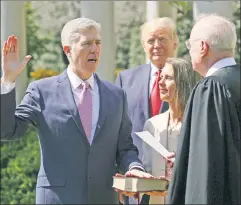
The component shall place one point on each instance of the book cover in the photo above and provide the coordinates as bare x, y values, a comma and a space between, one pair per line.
133, 184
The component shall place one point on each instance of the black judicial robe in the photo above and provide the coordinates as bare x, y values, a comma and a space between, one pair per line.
207, 163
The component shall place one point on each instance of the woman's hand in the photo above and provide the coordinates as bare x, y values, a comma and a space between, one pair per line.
170, 163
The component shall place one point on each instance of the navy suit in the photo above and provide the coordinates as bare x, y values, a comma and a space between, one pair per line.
72, 171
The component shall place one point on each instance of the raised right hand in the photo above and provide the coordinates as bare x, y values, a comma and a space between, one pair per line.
11, 67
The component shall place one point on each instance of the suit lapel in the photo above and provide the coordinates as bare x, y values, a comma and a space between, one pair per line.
103, 93
145, 82
66, 92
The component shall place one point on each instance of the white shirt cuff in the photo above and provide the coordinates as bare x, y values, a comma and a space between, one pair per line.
137, 167
6, 87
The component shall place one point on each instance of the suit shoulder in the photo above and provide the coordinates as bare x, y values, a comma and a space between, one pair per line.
214, 81
112, 86
227, 84
45, 81
44, 85
157, 120
131, 71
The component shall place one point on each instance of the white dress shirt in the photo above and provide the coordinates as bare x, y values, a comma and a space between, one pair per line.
75, 82
6, 87
220, 64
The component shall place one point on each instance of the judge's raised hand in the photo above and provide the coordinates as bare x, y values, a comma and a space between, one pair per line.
11, 67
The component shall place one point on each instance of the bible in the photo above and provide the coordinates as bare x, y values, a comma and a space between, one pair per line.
133, 184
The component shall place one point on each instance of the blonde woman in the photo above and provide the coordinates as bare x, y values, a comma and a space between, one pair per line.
176, 83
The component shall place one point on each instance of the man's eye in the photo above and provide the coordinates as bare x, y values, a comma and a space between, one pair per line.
98, 42
150, 41
162, 39
86, 43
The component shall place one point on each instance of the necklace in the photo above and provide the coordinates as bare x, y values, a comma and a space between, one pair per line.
172, 127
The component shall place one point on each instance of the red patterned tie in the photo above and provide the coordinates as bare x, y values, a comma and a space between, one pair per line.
155, 101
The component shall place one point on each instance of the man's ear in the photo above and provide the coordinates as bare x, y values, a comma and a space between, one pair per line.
66, 50
204, 49
175, 45
143, 45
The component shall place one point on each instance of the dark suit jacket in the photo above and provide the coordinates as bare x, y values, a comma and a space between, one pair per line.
72, 171
136, 84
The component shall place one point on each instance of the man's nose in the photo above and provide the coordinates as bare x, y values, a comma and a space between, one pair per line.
157, 43
93, 47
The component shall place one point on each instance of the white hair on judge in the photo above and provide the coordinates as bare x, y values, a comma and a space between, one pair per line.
217, 31
71, 31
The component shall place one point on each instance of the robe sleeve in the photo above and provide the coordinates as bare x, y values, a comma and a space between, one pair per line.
207, 164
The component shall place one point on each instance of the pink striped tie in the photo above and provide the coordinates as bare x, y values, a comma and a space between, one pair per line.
85, 109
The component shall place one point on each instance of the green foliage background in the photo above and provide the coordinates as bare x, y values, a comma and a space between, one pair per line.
19, 168
20, 159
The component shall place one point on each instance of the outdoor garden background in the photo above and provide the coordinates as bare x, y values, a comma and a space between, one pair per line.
44, 20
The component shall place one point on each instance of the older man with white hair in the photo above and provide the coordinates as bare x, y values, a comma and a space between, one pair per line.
207, 165
82, 122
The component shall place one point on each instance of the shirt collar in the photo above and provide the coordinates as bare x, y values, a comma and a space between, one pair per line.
220, 64
76, 80
154, 69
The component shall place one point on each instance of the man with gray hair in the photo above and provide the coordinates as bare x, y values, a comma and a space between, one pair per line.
207, 164
82, 121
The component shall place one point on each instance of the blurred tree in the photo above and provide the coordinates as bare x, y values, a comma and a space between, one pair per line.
184, 25
20, 161
136, 52
52, 15
129, 52
236, 20
128, 18
36, 44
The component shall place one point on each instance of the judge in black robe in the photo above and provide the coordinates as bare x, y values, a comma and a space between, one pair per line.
207, 162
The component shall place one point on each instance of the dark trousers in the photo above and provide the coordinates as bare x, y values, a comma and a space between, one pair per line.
144, 200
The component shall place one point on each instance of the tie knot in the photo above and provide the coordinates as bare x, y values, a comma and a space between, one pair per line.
158, 72
85, 85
